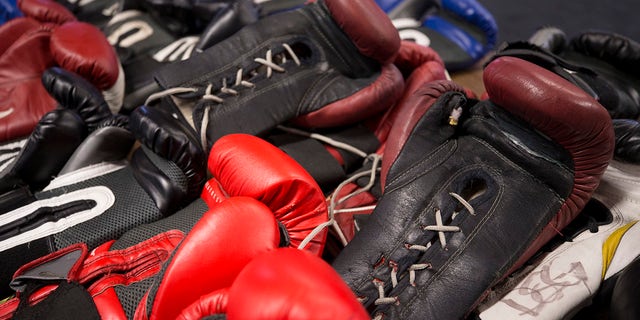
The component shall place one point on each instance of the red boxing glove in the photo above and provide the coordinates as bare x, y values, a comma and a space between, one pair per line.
145, 274
282, 284
244, 165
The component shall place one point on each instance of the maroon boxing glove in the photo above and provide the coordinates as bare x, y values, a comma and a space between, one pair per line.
49, 36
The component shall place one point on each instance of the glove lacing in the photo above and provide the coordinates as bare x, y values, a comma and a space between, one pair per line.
440, 228
333, 198
240, 81
454, 117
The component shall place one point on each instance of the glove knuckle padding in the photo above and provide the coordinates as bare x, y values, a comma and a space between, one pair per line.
46, 11
218, 267
171, 140
462, 31
412, 55
228, 20
83, 48
24, 101
274, 179
589, 254
367, 26
75, 93
376, 97
618, 50
287, 283
13, 29
591, 139
627, 133
212, 303
602, 64
58, 132
525, 161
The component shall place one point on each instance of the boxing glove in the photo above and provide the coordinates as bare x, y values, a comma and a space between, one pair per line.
419, 65
45, 11
280, 206
31, 47
452, 220
268, 60
97, 13
182, 18
601, 63
227, 21
284, 283
269, 7
93, 204
144, 43
462, 32
59, 132
346, 160
8, 11
95, 60
623, 305
151, 278
595, 247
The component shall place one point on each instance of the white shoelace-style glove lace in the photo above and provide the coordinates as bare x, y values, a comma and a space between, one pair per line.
211, 92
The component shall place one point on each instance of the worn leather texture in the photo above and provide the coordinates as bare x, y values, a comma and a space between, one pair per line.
523, 161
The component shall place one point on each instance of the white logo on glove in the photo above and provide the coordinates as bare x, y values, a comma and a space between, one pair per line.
6, 113
406, 29
136, 30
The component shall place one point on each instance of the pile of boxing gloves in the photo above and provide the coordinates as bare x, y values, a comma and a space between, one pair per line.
312, 159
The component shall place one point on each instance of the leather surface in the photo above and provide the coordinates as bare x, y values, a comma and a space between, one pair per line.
228, 21
245, 165
600, 63
234, 248
75, 93
60, 131
46, 11
23, 99
286, 284
519, 148
616, 49
331, 69
461, 31
371, 31
623, 298
83, 48
50, 145
627, 133
170, 139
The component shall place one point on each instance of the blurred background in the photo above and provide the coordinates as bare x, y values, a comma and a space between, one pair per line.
519, 19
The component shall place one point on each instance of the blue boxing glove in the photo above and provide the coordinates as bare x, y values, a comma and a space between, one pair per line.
8, 10
461, 31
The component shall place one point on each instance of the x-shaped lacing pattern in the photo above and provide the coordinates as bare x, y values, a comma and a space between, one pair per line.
333, 200
440, 228
239, 82
375, 168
